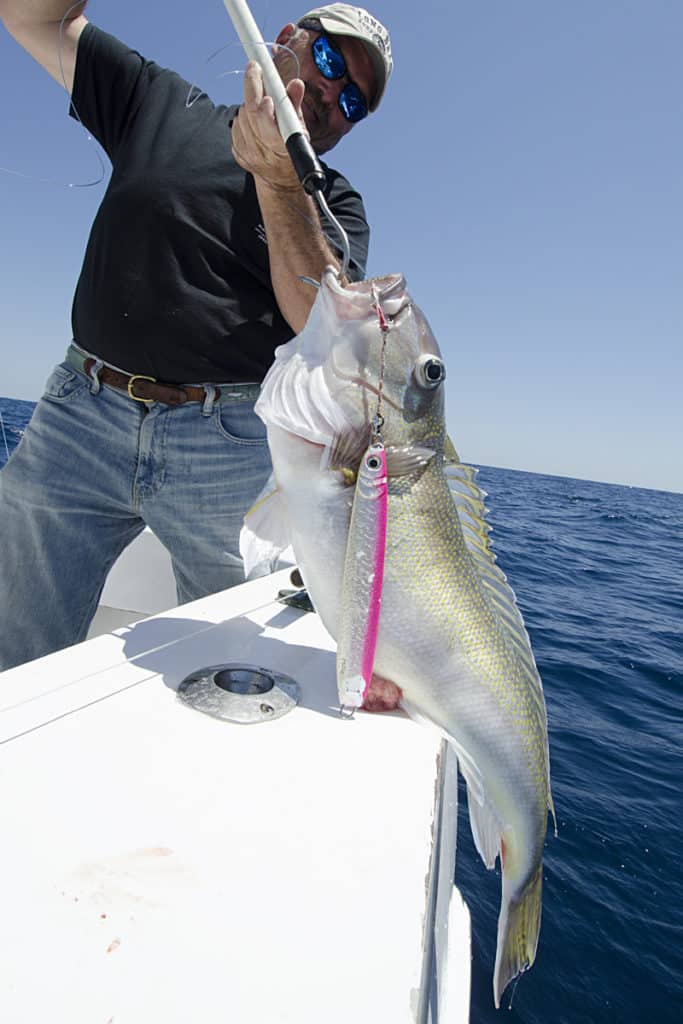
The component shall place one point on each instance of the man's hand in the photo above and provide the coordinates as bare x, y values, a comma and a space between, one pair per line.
297, 247
257, 145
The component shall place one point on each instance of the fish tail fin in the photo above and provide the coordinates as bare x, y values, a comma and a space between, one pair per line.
518, 927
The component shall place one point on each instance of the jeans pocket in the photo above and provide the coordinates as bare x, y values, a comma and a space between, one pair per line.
237, 422
64, 383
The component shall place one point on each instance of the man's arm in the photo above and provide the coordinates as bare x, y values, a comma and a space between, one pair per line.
296, 248
296, 244
35, 24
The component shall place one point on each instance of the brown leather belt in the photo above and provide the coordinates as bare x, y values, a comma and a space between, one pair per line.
142, 388
147, 389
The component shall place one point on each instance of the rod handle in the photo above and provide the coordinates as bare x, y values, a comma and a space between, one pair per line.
306, 164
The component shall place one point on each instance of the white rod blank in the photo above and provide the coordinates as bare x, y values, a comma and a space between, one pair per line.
256, 49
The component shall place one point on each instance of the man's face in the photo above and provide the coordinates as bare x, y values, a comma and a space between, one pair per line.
324, 120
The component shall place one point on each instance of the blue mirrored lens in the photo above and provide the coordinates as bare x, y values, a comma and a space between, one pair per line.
329, 61
331, 64
352, 103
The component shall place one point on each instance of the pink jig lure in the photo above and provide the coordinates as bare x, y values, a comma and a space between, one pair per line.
363, 578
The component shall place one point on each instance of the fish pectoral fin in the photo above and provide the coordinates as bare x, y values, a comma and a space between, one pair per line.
407, 460
346, 451
518, 926
265, 533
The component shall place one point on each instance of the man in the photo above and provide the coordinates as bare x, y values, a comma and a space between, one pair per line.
192, 276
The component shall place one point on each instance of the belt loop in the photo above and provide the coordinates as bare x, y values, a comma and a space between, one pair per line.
210, 392
93, 372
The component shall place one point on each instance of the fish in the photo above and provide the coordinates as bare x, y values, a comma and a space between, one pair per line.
450, 635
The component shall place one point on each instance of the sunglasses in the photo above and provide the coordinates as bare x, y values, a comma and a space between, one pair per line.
331, 65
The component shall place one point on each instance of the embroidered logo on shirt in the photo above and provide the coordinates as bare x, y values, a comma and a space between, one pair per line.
261, 233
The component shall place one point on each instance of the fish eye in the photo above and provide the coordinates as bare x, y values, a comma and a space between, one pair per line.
430, 371
373, 462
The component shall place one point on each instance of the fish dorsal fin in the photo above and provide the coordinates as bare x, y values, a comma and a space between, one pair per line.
468, 498
449, 453
265, 533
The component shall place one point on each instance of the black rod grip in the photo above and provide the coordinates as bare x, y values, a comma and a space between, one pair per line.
306, 164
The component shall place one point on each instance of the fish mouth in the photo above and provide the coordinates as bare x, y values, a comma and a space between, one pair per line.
388, 288
389, 292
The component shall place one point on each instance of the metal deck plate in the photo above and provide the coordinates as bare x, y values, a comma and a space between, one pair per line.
245, 694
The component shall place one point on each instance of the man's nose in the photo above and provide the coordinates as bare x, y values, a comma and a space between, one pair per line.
330, 89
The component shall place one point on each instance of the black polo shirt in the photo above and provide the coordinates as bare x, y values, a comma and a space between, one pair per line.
175, 281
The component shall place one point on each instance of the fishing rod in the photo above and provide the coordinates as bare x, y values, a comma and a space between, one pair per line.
306, 164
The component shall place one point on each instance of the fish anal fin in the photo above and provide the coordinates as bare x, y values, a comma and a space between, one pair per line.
486, 830
518, 927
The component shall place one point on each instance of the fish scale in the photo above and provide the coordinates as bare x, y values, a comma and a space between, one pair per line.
450, 591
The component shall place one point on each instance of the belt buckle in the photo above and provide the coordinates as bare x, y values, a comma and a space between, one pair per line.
131, 381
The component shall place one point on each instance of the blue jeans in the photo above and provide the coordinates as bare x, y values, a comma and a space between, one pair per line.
92, 469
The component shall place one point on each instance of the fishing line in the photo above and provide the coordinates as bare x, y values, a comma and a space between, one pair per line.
240, 71
384, 326
56, 181
191, 100
515, 983
4, 436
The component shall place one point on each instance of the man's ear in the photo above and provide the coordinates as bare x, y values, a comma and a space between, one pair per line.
285, 34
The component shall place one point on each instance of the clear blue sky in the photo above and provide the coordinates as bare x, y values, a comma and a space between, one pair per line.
523, 172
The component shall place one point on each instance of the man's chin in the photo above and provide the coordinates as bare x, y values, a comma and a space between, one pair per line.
322, 142
321, 147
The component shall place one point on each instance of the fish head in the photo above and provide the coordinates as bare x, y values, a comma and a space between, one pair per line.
382, 352
366, 347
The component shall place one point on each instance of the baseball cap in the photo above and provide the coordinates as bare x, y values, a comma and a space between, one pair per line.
347, 20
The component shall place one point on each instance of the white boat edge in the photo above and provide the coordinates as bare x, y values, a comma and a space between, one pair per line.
140, 586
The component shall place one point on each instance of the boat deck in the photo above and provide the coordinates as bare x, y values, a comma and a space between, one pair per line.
163, 865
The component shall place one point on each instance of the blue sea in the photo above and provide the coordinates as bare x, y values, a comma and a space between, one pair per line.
598, 573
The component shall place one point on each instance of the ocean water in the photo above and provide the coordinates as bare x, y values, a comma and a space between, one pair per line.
598, 573
14, 415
